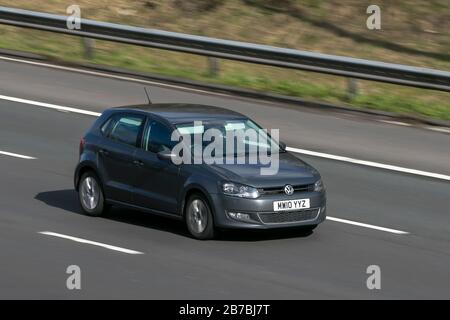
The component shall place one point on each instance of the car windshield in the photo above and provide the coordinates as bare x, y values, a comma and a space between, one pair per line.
247, 136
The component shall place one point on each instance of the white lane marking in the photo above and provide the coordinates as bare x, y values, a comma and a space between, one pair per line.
49, 105
99, 244
112, 76
15, 155
399, 123
162, 84
365, 225
370, 164
439, 129
296, 150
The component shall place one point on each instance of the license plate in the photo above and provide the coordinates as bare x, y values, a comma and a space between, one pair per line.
289, 205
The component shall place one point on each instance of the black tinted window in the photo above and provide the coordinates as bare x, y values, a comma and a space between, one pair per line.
124, 128
157, 137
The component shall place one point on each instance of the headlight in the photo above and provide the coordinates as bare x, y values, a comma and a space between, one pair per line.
240, 190
318, 186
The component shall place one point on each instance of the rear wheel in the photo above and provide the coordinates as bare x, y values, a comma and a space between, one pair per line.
90, 195
199, 218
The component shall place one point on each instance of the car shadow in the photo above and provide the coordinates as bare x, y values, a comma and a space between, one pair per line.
67, 200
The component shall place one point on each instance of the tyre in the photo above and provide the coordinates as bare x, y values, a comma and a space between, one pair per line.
199, 218
90, 195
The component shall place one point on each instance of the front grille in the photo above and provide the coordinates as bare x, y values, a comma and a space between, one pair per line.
297, 188
286, 217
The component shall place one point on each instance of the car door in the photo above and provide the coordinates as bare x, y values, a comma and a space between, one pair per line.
157, 184
116, 155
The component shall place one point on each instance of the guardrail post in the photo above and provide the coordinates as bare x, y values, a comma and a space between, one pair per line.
352, 87
213, 66
88, 47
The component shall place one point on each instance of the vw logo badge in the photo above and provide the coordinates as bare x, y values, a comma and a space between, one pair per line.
289, 190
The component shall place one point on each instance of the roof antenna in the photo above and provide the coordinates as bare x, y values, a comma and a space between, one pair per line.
148, 96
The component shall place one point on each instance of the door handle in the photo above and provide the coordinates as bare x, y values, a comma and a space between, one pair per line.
138, 163
103, 152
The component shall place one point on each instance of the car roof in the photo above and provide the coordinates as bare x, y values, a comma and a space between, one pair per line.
176, 113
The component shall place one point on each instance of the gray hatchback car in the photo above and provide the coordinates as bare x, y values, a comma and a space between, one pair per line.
127, 159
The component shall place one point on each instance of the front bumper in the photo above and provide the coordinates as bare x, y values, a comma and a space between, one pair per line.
261, 211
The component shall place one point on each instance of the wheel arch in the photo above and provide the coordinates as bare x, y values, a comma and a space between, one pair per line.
82, 169
196, 189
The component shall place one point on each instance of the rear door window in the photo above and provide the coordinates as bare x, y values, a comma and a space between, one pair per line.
123, 128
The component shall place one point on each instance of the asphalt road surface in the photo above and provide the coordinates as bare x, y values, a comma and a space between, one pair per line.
36, 195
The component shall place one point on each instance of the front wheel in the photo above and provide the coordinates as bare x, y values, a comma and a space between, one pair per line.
90, 195
199, 218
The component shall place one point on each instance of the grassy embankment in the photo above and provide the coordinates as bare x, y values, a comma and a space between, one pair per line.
413, 32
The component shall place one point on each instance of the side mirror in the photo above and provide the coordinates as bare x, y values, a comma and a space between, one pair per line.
282, 145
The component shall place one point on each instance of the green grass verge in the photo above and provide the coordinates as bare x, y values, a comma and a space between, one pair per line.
322, 88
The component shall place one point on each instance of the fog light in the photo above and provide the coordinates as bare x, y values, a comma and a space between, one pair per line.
239, 216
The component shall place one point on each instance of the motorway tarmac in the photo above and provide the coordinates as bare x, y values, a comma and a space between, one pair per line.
37, 195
